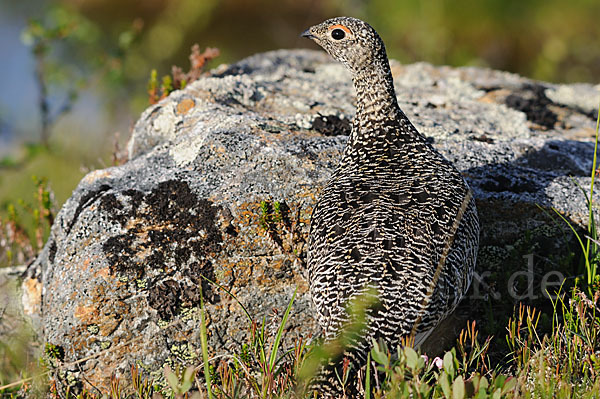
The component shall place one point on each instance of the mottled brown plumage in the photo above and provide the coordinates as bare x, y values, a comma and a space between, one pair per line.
395, 216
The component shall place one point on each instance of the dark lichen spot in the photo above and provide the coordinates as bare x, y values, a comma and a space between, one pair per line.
52, 251
170, 200
532, 100
136, 197
332, 125
109, 202
85, 201
231, 230
499, 183
165, 297
483, 138
170, 229
487, 89
270, 128
112, 207
227, 219
283, 210
199, 272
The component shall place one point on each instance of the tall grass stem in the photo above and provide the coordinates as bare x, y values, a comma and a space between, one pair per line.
591, 275
204, 344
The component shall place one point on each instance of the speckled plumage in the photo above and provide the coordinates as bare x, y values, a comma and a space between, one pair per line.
395, 215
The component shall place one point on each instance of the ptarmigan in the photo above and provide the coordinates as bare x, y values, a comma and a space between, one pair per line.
395, 216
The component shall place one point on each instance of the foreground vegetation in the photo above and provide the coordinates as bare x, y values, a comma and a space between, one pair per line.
564, 363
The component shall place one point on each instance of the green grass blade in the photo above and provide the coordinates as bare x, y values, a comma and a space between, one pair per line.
204, 344
261, 338
591, 224
368, 377
583, 246
277, 341
556, 223
591, 215
261, 341
231, 295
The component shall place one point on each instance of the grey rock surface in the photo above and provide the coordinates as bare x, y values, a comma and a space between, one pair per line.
221, 182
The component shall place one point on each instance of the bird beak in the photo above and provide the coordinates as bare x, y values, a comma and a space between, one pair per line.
307, 34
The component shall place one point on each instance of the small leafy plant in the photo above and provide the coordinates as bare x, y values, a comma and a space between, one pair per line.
178, 79
27, 225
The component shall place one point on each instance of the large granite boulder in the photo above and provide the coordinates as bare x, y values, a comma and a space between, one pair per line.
221, 181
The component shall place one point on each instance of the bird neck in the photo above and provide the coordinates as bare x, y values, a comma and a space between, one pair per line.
379, 122
376, 98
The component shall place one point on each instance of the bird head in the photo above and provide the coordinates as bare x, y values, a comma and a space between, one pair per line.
349, 40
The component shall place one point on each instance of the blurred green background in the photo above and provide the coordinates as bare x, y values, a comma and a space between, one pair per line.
74, 75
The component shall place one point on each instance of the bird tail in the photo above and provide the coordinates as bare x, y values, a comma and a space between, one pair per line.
339, 361
341, 376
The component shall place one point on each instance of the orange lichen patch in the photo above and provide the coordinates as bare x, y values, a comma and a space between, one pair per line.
241, 271
73, 296
144, 228
108, 325
104, 273
494, 96
248, 213
85, 312
101, 368
86, 265
32, 296
105, 315
301, 284
185, 105
342, 27
268, 248
218, 149
100, 374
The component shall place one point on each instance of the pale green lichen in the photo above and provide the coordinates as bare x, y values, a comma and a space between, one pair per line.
162, 323
71, 379
188, 313
93, 329
183, 352
142, 284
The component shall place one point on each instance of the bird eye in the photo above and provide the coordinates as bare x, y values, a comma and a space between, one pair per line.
338, 34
